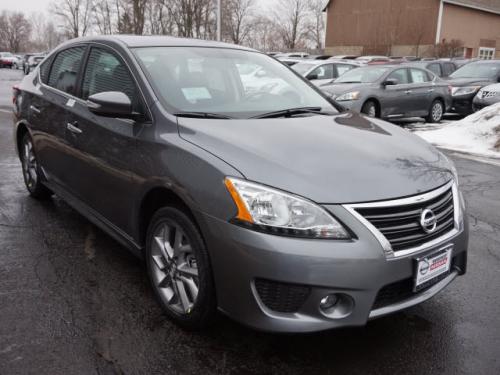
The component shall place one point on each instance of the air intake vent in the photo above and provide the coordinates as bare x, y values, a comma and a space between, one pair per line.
281, 297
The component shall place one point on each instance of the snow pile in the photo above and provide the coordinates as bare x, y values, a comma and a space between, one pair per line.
478, 133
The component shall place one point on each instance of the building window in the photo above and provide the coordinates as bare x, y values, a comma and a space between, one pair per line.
486, 53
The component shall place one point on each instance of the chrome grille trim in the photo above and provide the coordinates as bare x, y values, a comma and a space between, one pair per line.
386, 245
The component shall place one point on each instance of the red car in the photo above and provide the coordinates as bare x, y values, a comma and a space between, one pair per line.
6, 59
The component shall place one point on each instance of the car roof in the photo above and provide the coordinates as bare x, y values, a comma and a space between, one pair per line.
133, 41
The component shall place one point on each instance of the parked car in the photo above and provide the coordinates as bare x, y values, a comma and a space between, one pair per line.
486, 96
440, 68
289, 61
18, 62
318, 57
292, 55
325, 71
373, 59
392, 92
6, 60
155, 140
32, 62
469, 79
344, 57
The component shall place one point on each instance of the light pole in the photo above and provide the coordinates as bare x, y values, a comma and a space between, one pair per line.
219, 21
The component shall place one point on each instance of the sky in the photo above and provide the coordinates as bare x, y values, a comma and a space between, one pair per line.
26, 6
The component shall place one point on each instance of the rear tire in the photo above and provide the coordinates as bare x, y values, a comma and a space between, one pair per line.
436, 112
179, 269
370, 109
31, 170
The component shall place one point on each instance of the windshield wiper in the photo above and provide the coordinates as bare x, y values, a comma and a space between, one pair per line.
202, 115
348, 82
292, 112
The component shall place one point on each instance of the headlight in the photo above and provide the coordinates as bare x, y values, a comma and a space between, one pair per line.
466, 90
354, 95
277, 212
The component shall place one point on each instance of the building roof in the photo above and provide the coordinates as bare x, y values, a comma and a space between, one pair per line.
491, 6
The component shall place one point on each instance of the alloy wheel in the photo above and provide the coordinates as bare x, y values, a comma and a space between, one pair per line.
29, 165
174, 268
437, 112
372, 111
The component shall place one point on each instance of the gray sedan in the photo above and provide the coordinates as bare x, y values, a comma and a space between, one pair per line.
324, 72
392, 92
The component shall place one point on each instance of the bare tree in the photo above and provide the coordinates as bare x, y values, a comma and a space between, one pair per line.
104, 16
236, 22
15, 31
193, 18
452, 48
76, 15
316, 24
290, 16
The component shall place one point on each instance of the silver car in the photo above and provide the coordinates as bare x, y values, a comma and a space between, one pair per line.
392, 92
324, 72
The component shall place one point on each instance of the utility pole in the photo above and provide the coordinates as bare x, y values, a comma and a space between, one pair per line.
219, 20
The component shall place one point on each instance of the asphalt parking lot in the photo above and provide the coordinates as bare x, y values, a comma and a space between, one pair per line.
73, 301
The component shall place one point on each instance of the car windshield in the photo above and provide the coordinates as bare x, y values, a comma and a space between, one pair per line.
477, 70
302, 68
229, 82
362, 75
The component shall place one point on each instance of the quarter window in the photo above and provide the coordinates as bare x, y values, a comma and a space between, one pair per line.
449, 68
64, 71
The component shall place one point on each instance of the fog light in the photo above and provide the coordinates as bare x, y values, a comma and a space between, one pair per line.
328, 302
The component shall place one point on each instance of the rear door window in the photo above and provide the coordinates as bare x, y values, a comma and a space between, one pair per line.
323, 72
342, 68
64, 71
419, 76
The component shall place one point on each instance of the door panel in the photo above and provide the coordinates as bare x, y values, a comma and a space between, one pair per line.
104, 148
396, 99
48, 114
422, 92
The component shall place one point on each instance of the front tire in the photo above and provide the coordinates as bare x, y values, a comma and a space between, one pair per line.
31, 170
369, 109
179, 268
436, 112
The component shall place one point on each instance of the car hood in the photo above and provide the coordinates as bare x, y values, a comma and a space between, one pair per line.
330, 159
341, 88
460, 82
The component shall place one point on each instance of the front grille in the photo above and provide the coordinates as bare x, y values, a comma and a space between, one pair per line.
281, 297
401, 224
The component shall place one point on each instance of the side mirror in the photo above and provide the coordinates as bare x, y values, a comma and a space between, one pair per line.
390, 82
312, 77
111, 104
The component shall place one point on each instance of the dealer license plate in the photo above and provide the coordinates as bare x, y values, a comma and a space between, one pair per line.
432, 266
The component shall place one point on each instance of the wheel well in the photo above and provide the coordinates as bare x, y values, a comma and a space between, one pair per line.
21, 131
377, 105
155, 199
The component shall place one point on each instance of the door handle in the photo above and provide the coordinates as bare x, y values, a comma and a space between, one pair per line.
430, 90
35, 109
74, 128
408, 92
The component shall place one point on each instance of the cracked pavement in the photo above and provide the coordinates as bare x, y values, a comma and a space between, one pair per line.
73, 301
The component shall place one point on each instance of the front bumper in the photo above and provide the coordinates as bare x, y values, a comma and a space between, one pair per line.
462, 104
479, 103
353, 105
358, 269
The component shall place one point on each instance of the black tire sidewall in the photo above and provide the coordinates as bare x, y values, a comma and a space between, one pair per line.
205, 305
366, 107
39, 190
